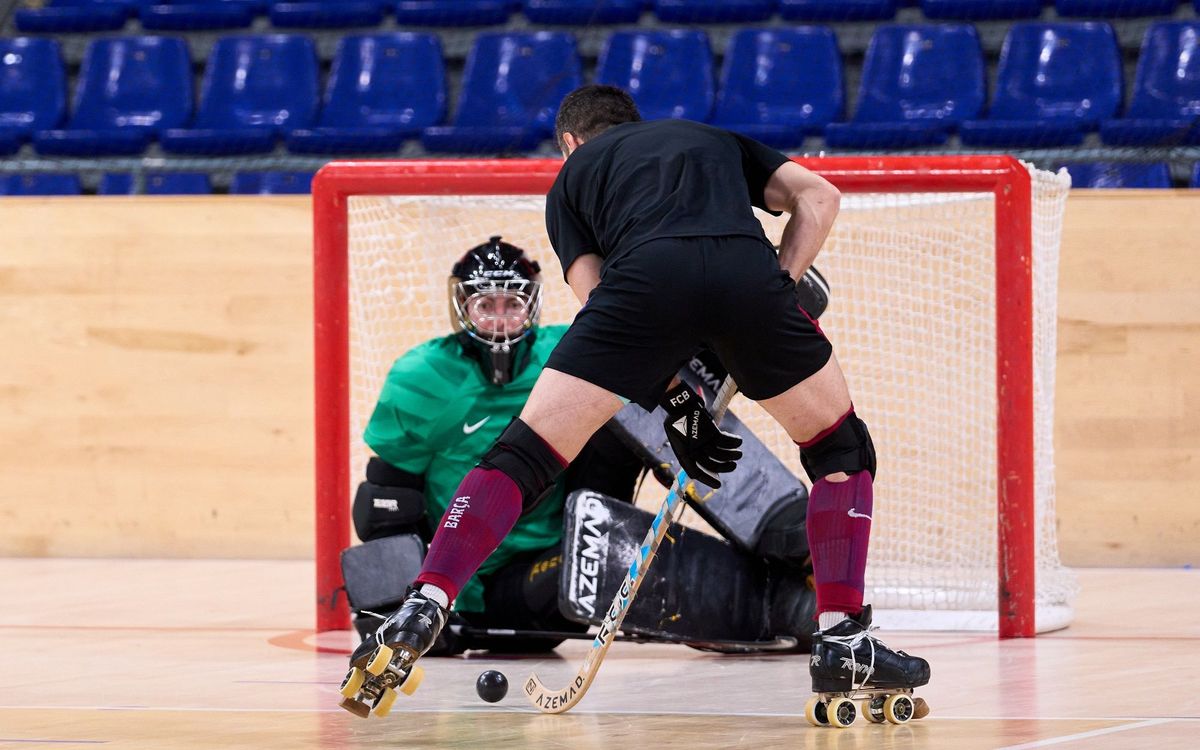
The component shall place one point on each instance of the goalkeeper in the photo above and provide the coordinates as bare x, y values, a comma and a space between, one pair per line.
442, 406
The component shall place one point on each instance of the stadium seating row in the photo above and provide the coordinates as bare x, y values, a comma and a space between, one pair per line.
1083, 175
171, 183
920, 84
189, 15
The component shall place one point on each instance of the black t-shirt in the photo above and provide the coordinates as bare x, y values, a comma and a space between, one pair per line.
642, 181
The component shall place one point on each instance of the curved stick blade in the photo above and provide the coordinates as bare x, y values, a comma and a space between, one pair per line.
555, 701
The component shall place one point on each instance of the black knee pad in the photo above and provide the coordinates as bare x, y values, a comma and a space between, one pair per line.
848, 449
527, 460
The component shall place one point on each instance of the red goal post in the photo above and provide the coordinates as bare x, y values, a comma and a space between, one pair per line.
1005, 179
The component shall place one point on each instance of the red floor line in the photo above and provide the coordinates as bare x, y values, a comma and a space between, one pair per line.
152, 628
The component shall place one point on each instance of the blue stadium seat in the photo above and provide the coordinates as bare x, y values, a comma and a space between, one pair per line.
33, 89
115, 183
452, 12
511, 88
1114, 175
714, 11
129, 90
780, 84
1165, 110
1114, 8
327, 14
918, 84
980, 10
255, 88
197, 15
272, 183
1196, 169
1055, 82
40, 184
668, 73
178, 183
382, 89
837, 10
167, 183
64, 16
582, 12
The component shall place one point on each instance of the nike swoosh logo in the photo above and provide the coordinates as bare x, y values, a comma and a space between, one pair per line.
469, 428
852, 514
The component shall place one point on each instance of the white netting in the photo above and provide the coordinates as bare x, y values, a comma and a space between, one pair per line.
913, 324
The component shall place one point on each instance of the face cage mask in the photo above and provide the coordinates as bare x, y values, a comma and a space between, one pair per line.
498, 346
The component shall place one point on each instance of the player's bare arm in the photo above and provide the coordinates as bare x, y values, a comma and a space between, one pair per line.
584, 275
812, 203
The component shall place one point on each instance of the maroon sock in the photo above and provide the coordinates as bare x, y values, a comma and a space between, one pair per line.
839, 529
482, 512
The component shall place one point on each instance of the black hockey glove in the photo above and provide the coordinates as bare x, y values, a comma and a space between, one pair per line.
702, 448
813, 291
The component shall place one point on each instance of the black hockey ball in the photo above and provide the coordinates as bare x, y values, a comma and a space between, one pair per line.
492, 686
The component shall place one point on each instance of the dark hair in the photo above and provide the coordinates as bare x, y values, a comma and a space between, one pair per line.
590, 110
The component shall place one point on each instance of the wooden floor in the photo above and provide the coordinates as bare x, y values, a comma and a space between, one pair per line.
218, 654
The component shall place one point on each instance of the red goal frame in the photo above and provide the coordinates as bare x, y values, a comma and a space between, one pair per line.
1005, 177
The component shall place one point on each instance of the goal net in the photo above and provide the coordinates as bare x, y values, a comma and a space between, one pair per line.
943, 316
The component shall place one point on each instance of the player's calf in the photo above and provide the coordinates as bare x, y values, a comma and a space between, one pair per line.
839, 514
510, 480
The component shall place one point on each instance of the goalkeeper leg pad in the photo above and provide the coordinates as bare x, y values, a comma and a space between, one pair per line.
844, 447
377, 575
784, 537
742, 510
528, 460
523, 595
699, 587
389, 502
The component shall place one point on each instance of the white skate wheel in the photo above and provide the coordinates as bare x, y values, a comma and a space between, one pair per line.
841, 712
353, 682
413, 681
379, 660
872, 709
815, 712
383, 706
898, 709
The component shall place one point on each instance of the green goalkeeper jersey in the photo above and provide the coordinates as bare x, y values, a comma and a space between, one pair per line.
438, 415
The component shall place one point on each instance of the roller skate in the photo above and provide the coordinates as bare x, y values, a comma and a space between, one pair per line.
849, 663
386, 659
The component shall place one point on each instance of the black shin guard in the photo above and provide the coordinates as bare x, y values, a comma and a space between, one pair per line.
527, 459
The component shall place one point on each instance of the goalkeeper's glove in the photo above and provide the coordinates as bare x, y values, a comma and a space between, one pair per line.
813, 291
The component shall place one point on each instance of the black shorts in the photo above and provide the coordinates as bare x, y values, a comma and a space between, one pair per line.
661, 302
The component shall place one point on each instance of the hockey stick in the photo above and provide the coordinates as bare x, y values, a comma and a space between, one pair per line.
780, 643
557, 701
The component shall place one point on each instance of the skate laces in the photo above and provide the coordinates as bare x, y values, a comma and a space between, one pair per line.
852, 642
382, 623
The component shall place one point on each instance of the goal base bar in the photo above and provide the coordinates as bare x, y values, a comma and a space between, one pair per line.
1048, 618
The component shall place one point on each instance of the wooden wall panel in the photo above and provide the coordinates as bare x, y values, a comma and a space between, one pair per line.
156, 378
1128, 421
156, 385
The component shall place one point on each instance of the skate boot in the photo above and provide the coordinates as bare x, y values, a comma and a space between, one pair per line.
849, 663
386, 659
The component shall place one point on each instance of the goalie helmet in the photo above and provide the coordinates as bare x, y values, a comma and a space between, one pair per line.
495, 301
